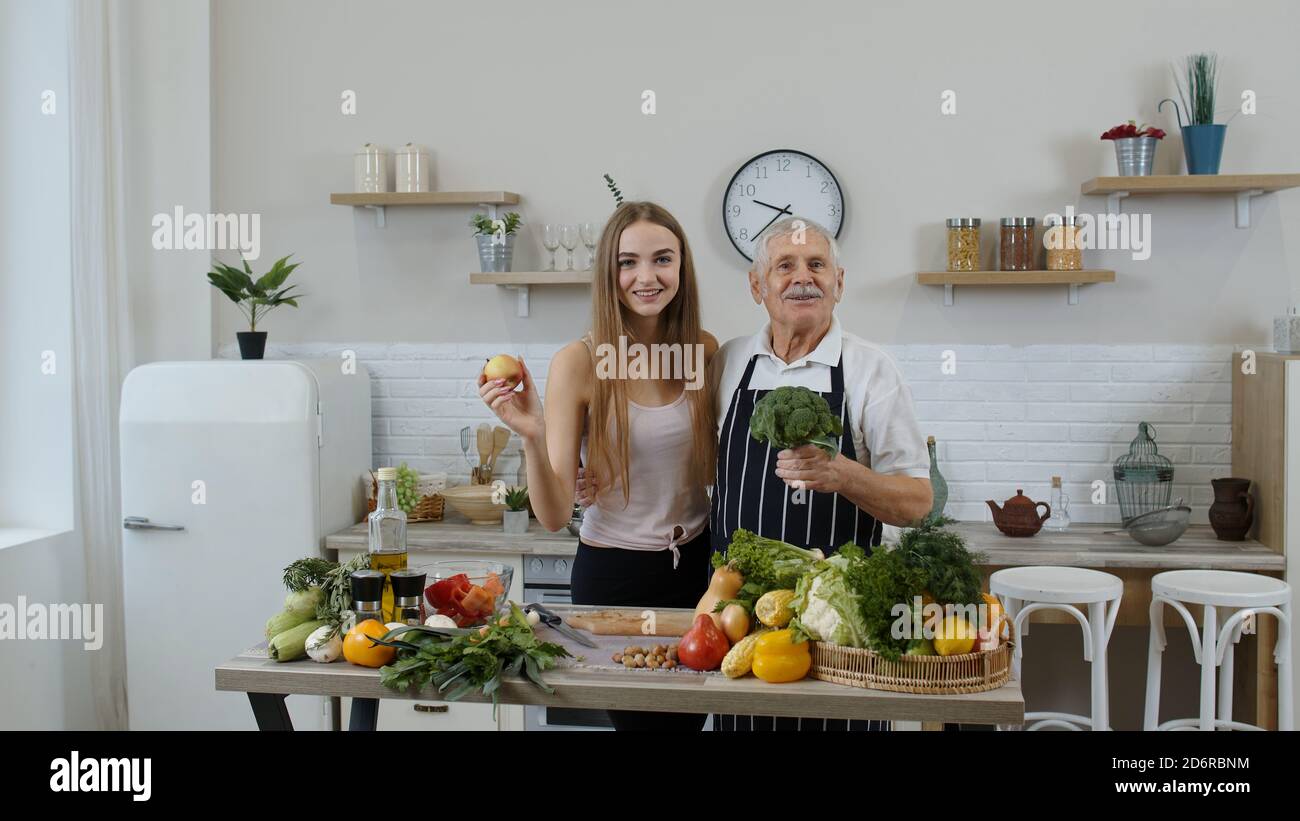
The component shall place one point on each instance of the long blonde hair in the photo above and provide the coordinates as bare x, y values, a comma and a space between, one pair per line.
681, 325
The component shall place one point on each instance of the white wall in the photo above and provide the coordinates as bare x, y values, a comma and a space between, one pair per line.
542, 98
167, 158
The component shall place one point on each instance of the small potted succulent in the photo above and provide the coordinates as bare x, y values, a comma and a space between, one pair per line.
496, 241
1202, 137
255, 298
515, 518
1135, 147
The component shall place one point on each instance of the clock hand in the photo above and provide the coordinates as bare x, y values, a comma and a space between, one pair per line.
785, 210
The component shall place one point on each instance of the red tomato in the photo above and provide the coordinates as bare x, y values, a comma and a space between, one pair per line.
447, 592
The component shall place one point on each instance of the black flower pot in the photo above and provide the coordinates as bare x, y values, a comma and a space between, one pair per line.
252, 344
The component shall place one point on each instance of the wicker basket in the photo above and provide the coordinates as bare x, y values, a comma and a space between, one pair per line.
431, 504
929, 675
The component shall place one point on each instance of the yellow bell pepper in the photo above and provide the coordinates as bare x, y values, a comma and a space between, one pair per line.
777, 659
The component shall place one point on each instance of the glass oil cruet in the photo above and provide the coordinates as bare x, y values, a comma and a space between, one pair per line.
1060, 503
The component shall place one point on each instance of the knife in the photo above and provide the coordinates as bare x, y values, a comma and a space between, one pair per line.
555, 622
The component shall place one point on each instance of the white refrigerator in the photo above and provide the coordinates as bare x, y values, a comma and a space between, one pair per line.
230, 471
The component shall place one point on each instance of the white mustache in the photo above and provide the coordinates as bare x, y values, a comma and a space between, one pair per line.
797, 291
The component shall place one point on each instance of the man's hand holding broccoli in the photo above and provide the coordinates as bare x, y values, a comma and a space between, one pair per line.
809, 467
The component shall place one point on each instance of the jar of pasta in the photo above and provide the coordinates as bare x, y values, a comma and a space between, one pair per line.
1064, 252
963, 244
1016, 251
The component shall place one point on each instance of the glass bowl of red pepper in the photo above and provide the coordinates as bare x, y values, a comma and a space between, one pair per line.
468, 592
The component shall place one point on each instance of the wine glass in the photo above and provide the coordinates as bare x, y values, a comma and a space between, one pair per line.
589, 238
551, 241
569, 239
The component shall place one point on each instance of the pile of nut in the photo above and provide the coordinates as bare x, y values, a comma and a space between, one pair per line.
656, 657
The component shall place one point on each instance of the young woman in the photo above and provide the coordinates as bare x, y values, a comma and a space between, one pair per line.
648, 444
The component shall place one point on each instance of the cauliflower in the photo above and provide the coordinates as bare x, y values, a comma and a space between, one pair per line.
828, 608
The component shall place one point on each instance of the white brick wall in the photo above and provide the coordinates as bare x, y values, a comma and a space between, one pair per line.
1008, 418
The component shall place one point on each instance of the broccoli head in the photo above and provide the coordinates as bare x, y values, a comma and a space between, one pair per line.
792, 416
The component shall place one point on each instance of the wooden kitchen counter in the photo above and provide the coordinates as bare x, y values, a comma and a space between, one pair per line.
267, 682
455, 533
1088, 545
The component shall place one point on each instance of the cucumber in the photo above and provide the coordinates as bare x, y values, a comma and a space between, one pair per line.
285, 620
304, 602
292, 643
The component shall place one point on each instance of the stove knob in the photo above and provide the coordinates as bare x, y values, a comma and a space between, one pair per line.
535, 565
561, 566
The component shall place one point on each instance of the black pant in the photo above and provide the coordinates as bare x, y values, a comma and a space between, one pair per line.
615, 577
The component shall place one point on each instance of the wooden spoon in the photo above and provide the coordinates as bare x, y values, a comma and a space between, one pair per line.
500, 438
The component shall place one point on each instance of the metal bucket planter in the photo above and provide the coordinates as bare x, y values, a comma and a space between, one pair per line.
495, 257
1203, 147
1134, 155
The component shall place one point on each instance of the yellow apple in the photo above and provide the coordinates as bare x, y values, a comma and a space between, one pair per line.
504, 366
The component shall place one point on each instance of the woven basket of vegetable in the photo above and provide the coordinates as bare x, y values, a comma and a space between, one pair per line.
924, 675
429, 503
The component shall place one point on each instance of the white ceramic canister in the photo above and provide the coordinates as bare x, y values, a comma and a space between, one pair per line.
370, 169
412, 168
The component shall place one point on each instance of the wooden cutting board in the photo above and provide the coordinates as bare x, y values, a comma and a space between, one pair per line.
629, 622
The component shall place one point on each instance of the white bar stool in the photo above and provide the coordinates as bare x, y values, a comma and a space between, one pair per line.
1023, 590
1245, 593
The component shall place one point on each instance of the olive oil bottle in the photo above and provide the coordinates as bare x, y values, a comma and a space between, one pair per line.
387, 534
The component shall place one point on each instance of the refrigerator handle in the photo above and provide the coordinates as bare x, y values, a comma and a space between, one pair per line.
142, 523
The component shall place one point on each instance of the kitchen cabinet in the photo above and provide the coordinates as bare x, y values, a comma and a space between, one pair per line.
1266, 450
428, 714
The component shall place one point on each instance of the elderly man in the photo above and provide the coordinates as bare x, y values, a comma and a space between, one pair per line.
880, 474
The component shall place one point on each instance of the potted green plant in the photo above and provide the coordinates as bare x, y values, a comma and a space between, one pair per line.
515, 518
496, 241
1202, 138
255, 298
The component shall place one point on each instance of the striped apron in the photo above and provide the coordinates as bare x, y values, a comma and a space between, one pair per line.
748, 494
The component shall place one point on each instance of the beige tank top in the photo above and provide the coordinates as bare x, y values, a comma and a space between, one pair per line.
667, 506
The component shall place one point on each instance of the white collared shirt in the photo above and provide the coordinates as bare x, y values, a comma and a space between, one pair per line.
886, 436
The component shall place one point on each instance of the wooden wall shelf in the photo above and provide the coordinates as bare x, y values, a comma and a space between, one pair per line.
1242, 186
950, 279
482, 199
521, 281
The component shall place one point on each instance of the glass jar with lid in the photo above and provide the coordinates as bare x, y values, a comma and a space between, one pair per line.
1064, 253
1016, 251
963, 244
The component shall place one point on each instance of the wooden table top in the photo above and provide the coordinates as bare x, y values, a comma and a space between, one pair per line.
1088, 545
455, 532
1083, 545
664, 691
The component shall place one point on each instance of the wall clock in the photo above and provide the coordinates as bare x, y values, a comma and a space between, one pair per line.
775, 185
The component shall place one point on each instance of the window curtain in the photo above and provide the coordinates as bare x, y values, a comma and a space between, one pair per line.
101, 329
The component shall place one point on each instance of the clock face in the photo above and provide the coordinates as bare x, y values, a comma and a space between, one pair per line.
776, 185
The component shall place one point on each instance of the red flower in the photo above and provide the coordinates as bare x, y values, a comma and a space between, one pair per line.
1131, 129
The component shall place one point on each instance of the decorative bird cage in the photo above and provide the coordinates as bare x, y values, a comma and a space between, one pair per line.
1143, 478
